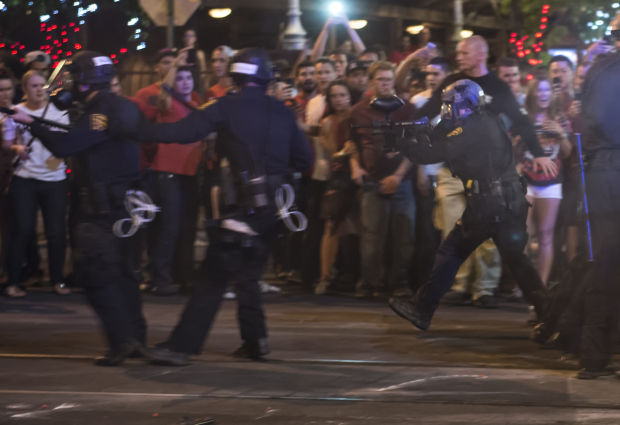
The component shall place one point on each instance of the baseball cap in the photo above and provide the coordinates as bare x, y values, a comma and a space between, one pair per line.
355, 65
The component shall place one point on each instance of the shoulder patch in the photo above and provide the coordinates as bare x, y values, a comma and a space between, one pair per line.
456, 132
207, 104
98, 122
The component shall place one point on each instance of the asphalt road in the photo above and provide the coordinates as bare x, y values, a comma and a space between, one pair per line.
334, 360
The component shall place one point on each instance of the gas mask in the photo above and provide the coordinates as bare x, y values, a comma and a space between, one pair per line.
61, 86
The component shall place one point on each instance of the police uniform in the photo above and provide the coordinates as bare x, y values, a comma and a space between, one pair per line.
263, 139
601, 144
479, 152
105, 165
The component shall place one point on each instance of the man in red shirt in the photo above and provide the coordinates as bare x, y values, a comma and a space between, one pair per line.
174, 167
306, 85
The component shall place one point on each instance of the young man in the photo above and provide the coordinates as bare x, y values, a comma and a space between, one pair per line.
508, 72
174, 167
387, 196
220, 59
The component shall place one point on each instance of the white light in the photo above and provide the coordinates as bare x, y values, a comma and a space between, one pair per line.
336, 8
136, 36
81, 12
44, 18
590, 24
93, 7
358, 24
594, 27
141, 46
132, 22
599, 13
415, 29
219, 13
116, 1
76, 3
30, 3
615, 5
138, 30
599, 23
82, 21
3, 6
55, 12
466, 33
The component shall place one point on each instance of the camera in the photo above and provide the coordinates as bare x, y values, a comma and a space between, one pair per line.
191, 57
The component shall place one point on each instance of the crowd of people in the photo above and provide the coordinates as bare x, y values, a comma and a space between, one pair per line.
375, 215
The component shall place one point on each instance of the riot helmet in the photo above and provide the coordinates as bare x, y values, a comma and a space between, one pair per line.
461, 99
251, 65
74, 80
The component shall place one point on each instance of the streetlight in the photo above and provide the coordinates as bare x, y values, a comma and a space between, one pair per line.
358, 24
336, 8
220, 13
415, 29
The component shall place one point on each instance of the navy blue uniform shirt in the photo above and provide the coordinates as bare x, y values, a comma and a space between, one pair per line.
261, 133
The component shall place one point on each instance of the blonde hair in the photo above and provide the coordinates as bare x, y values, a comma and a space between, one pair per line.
29, 74
379, 66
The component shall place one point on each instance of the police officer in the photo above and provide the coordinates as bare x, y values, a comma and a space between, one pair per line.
478, 151
263, 144
106, 166
601, 144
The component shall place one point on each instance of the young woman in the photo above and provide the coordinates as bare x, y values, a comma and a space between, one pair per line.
339, 197
39, 181
544, 192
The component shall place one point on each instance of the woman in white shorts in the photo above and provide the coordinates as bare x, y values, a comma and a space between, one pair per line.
544, 192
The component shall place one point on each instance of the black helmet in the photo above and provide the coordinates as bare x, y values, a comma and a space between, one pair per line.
90, 67
252, 65
460, 99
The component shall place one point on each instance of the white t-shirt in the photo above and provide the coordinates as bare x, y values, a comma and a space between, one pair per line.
41, 164
314, 112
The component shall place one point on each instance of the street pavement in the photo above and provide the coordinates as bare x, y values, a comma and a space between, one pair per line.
334, 360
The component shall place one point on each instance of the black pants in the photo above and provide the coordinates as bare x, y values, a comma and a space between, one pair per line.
226, 261
26, 196
602, 294
174, 229
475, 227
105, 267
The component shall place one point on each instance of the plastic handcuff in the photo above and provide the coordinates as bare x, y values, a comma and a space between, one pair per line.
295, 221
141, 209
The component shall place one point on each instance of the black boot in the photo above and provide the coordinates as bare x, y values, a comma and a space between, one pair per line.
162, 354
115, 357
410, 311
254, 350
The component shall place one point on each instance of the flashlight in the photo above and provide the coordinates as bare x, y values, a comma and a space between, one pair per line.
336, 8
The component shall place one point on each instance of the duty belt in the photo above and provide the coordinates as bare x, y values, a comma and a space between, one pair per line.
489, 186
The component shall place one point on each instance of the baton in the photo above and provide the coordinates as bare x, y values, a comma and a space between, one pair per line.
67, 127
585, 197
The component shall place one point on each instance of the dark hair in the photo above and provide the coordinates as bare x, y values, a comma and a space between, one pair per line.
189, 68
303, 64
6, 74
162, 53
507, 62
337, 52
441, 62
329, 110
561, 58
325, 60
